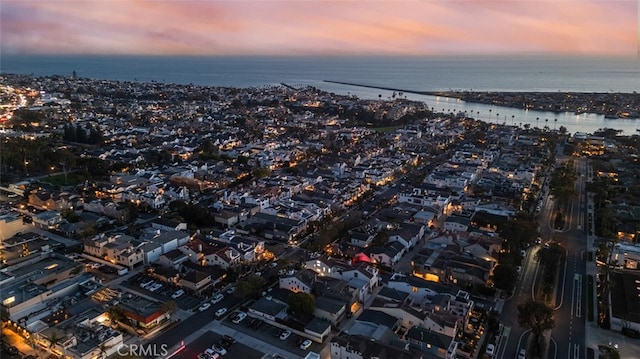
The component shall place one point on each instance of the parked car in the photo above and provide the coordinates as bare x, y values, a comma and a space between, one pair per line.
218, 349
305, 344
240, 317
231, 290
522, 354
217, 298
204, 307
220, 312
223, 343
491, 349
523, 253
229, 338
212, 353
177, 294
285, 334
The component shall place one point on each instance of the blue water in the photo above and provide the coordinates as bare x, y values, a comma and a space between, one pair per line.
410, 73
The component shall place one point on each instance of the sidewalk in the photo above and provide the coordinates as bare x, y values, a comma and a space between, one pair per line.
594, 335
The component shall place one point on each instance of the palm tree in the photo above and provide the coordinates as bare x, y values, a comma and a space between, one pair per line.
54, 340
538, 317
103, 350
537, 118
513, 119
555, 120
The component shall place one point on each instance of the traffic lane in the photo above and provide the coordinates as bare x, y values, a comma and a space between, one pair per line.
206, 340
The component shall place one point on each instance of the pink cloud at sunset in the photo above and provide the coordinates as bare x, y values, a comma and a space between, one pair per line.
306, 27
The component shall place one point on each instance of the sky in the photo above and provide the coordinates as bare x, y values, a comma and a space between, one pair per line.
320, 27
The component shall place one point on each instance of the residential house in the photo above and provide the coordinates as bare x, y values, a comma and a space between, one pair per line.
388, 255
408, 235
196, 281
214, 254
267, 309
437, 344
299, 281
173, 259
457, 224
329, 309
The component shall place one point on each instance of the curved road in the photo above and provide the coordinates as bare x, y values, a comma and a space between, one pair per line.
568, 337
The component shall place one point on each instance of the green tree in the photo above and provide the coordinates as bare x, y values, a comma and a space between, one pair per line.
302, 304
250, 287
115, 313
260, 172
505, 277
169, 306
536, 316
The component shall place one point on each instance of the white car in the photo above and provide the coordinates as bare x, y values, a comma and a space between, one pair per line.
218, 349
212, 354
177, 294
491, 349
231, 290
217, 298
204, 307
155, 287
240, 317
220, 312
522, 354
284, 335
305, 344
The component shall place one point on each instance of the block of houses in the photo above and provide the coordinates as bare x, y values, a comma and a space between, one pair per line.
81, 337
119, 248
344, 346
211, 254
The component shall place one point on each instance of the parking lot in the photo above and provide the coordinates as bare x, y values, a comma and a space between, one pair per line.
270, 334
206, 340
164, 292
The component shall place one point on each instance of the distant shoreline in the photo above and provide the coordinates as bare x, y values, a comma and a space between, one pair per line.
613, 105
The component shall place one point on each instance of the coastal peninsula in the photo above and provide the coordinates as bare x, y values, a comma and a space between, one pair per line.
612, 105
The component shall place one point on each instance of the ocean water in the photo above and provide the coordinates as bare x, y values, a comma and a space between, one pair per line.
593, 74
